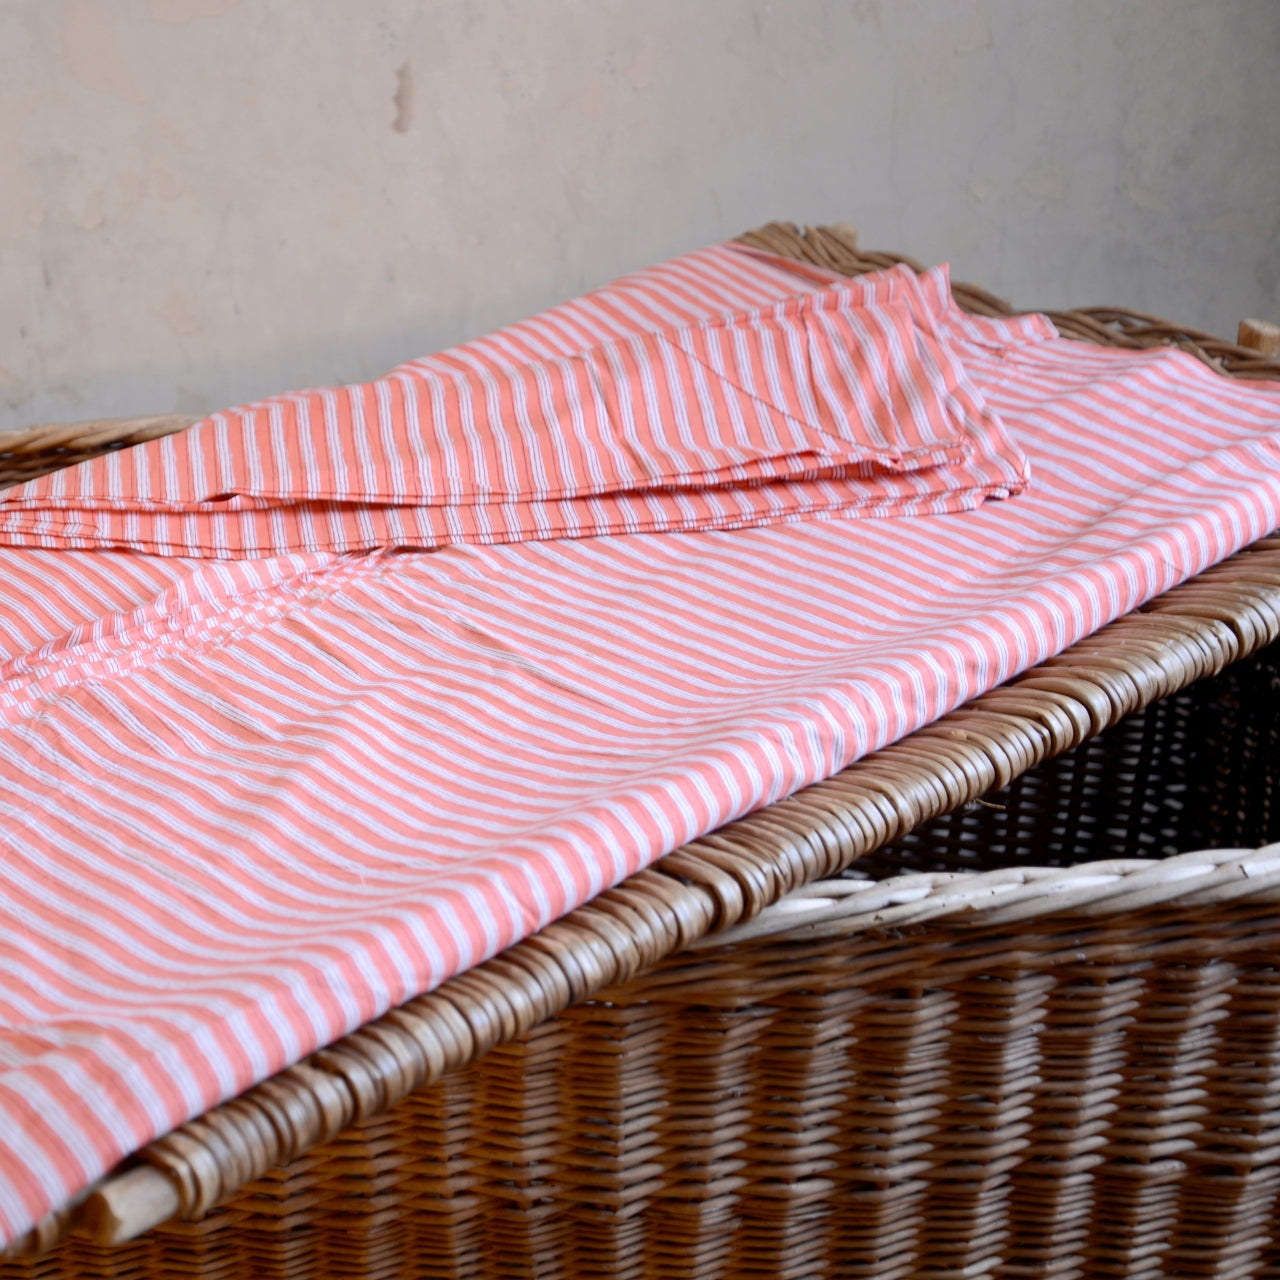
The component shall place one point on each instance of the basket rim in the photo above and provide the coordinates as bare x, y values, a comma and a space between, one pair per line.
1013, 895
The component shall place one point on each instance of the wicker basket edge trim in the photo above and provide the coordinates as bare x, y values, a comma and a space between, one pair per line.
1205, 878
712, 884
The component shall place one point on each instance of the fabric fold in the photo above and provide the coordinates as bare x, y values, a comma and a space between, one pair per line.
245, 808
837, 399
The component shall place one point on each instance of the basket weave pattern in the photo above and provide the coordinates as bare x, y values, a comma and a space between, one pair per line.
944, 1097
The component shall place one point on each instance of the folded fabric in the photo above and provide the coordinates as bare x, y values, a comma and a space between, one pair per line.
245, 807
843, 398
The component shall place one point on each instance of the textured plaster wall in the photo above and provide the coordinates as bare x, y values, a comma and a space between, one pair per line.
204, 201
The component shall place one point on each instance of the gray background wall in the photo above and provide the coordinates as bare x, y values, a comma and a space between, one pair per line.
204, 201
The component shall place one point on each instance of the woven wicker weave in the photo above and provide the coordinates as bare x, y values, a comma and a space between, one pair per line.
38, 450
952, 1091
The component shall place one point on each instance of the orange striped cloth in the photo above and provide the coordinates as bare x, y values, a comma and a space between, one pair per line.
840, 400
258, 789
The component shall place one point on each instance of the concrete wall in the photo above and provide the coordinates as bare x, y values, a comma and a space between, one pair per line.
204, 201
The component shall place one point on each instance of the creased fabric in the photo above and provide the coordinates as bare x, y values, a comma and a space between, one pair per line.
249, 803
843, 399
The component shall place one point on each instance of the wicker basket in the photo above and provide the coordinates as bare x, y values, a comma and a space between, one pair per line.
1029, 1055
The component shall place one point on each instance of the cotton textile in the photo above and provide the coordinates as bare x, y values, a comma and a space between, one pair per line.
258, 789
842, 399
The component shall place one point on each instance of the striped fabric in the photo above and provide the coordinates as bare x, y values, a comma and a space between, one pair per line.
248, 802
843, 399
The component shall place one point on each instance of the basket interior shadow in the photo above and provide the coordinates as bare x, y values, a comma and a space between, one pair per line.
1197, 770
